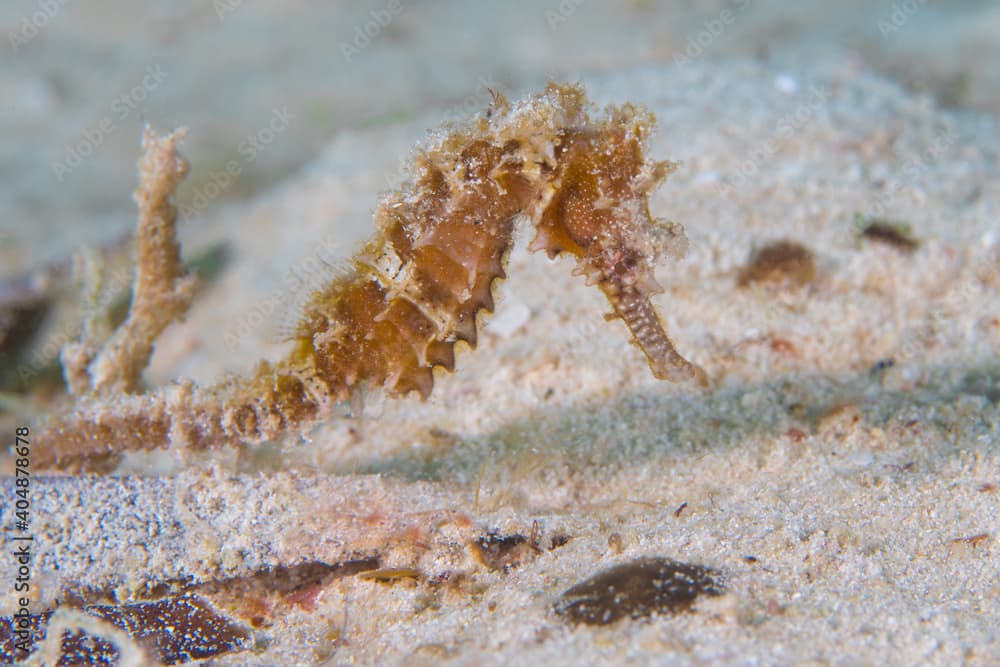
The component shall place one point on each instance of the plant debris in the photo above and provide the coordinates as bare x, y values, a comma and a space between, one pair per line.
173, 630
897, 234
638, 589
505, 552
501, 552
162, 290
783, 261
391, 574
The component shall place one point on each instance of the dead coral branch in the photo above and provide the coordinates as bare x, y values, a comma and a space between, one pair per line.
162, 290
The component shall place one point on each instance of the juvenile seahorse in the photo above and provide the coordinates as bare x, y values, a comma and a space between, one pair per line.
416, 287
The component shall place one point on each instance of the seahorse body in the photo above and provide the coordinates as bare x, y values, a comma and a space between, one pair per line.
417, 286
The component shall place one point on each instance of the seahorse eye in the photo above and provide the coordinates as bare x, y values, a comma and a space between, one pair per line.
624, 265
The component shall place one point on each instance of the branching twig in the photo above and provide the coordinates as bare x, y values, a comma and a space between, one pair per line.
162, 290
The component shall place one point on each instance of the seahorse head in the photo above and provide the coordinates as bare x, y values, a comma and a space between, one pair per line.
596, 203
595, 207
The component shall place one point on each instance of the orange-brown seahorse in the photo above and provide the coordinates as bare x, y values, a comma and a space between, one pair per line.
415, 289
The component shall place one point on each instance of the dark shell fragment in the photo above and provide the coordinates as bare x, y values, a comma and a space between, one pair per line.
638, 589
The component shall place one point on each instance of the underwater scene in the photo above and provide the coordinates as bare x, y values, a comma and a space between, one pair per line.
427, 332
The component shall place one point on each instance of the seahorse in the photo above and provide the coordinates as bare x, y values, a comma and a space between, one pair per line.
424, 280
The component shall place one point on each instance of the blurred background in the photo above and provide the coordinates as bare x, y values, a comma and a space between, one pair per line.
267, 84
